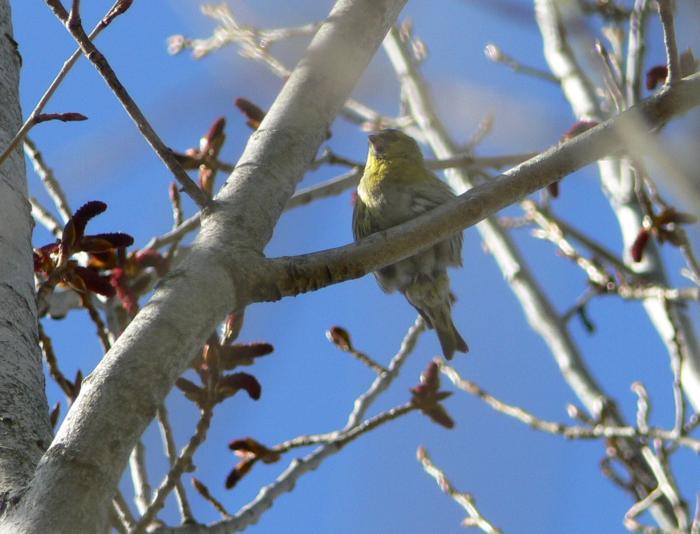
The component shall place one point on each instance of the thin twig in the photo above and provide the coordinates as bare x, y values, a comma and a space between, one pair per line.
254, 45
677, 357
53, 187
672, 59
166, 434
203, 490
643, 406
570, 432
636, 45
103, 67
101, 327
50, 357
184, 460
552, 232
596, 248
465, 500
126, 518
67, 65
286, 481
612, 82
46, 218
139, 477
638, 508
497, 55
382, 382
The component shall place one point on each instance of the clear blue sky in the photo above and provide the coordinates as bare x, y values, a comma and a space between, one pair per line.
523, 481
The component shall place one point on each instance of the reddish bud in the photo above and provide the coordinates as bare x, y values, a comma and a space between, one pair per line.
75, 227
243, 354
426, 396
640, 243
493, 53
190, 390
63, 117
206, 179
91, 280
553, 189
239, 472
118, 9
120, 282
671, 216
340, 338
439, 415
250, 451
655, 76
54, 415
253, 113
230, 385
246, 447
104, 242
149, 257
233, 325
174, 193
577, 129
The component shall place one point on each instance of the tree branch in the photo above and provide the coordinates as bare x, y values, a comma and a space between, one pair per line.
25, 431
287, 276
74, 26
81, 470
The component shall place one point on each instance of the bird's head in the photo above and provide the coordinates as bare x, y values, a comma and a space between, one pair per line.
391, 145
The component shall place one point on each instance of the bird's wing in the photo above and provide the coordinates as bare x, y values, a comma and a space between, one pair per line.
362, 223
428, 195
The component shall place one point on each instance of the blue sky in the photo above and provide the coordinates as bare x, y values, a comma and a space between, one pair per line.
523, 481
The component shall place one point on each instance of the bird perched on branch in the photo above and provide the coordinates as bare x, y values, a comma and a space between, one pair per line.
396, 187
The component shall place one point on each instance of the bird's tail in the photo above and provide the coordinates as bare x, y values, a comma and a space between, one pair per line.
431, 297
448, 335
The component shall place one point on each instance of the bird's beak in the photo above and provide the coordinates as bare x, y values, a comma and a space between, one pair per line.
377, 143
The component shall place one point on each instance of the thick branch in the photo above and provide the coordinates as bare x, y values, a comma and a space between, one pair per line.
293, 275
617, 177
25, 431
79, 474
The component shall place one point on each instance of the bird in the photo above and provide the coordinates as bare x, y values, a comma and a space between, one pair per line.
396, 187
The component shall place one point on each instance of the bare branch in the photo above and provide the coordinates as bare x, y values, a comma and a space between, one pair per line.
53, 187
139, 477
67, 65
294, 275
214, 278
166, 434
103, 67
596, 431
465, 500
636, 44
45, 218
672, 59
495, 54
183, 461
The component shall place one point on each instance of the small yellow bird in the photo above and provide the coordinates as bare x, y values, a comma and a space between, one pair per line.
395, 188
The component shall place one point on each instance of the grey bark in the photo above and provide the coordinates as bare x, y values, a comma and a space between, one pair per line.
25, 432
79, 473
670, 321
